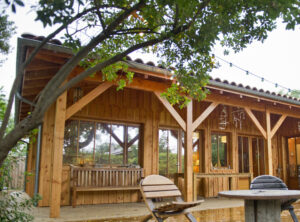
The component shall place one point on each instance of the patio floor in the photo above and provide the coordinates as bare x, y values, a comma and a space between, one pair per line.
119, 212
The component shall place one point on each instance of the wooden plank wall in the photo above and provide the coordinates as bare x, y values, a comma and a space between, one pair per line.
134, 106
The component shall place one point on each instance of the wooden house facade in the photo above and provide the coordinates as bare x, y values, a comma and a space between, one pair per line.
221, 143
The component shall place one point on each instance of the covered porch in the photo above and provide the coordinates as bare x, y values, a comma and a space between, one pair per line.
217, 144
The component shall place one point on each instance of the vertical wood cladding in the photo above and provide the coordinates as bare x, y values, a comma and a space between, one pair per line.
135, 106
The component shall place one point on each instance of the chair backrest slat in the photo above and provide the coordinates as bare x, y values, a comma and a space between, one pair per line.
156, 186
166, 193
159, 188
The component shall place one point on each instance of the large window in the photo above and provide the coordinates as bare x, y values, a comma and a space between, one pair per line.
171, 152
219, 150
102, 144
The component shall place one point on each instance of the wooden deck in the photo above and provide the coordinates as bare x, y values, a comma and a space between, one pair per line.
113, 212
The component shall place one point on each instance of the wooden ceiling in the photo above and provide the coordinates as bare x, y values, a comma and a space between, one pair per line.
37, 74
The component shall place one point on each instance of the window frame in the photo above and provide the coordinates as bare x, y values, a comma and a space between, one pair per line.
228, 150
109, 123
180, 149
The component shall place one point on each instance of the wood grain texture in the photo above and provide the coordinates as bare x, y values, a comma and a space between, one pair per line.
56, 178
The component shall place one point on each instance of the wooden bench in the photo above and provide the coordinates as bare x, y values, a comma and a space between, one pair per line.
87, 179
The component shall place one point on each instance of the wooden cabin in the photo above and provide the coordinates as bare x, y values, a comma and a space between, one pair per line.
96, 136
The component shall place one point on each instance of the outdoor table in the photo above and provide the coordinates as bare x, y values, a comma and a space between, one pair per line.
262, 205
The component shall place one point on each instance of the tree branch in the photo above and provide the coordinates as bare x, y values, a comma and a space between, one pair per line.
48, 94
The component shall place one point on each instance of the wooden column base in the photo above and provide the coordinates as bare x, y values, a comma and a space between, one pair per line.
262, 210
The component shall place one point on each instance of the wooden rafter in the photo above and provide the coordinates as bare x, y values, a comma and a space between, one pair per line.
277, 125
87, 99
172, 111
204, 115
256, 122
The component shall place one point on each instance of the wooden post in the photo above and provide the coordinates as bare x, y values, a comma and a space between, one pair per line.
188, 157
284, 159
59, 128
269, 142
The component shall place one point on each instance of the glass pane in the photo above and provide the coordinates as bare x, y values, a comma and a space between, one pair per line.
163, 152
243, 147
70, 142
240, 148
196, 157
133, 145
173, 151
214, 150
262, 156
246, 154
117, 140
223, 150
86, 142
102, 144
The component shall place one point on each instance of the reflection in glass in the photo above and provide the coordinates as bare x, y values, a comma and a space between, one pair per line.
168, 152
133, 145
163, 152
117, 138
102, 144
86, 141
219, 149
70, 142
243, 147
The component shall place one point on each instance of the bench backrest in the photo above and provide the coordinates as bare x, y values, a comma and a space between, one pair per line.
105, 177
156, 186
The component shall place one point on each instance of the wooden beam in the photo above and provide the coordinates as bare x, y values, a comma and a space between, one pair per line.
172, 111
277, 125
149, 85
87, 99
256, 122
204, 115
188, 156
57, 158
269, 142
248, 102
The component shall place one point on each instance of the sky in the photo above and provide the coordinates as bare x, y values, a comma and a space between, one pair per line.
276, 60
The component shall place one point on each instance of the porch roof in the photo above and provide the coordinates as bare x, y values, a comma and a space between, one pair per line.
138, 66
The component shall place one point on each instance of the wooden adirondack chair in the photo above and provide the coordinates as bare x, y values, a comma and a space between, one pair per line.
159, 187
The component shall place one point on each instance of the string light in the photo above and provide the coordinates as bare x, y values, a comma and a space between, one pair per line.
252, 74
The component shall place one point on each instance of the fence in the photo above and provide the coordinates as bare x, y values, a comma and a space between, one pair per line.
17, 174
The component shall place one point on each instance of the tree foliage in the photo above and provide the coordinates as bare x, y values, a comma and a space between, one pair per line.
6, 31
180, 33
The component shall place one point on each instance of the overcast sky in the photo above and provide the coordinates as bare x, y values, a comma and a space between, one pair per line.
277, 59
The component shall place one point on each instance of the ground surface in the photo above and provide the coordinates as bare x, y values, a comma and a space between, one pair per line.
120, 212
